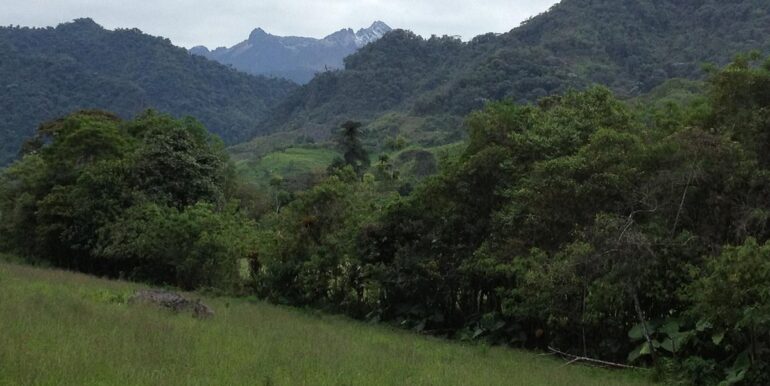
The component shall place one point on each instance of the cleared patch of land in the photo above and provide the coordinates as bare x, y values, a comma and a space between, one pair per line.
288, 163
60, 328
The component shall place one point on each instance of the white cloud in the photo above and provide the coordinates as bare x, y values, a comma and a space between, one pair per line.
217, 23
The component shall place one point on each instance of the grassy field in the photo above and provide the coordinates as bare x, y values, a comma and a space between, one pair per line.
262, 145
59, 328
287, 163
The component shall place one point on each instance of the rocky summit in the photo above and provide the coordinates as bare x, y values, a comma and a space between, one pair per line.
295, 58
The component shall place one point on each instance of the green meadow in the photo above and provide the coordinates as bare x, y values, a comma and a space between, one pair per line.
61, 328
287, 163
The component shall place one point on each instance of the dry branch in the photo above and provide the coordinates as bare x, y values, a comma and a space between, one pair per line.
575, 358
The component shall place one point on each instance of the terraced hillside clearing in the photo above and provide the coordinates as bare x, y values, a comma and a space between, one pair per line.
60, 328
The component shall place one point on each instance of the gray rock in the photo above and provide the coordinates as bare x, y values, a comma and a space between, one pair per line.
172, 301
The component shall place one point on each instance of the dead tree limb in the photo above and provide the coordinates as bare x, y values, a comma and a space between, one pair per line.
681, 203
576, 358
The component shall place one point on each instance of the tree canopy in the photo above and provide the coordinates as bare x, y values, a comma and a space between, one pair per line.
147, 199
632, 234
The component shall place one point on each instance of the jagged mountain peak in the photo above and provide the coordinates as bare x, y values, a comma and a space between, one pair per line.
377, 30
258, 33
629, 46
344, 34
378, 27
292, 57
379, 24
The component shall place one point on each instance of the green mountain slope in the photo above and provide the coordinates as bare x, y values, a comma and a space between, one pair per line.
631, 46
46, 73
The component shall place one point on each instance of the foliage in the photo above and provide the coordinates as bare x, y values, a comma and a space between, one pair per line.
49, 72
731, 297
353, 152
145, 199
629, 46
579, 223
197, 246
307, 251
634, 232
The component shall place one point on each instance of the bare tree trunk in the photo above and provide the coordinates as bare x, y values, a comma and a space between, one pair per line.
681, 202
583, 324
753, 356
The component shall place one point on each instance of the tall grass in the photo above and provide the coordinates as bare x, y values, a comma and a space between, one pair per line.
59, 328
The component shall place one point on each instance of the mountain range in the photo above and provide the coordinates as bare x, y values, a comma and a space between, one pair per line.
48, 72
422, 88
399, 85
296, 58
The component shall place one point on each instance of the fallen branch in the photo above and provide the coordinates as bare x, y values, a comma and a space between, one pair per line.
575, 358
570, 362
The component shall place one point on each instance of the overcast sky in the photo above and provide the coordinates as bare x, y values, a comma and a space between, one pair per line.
226, 22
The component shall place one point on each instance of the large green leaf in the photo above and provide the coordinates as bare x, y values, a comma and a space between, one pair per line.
637, 353
636, 333
718, 337
738, 371
668, 345
642, 350
670, 328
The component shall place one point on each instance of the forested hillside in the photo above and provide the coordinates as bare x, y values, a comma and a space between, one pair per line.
630, 46
627, 222
635, 233
45, 73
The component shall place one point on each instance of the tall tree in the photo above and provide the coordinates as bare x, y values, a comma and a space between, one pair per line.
353, 152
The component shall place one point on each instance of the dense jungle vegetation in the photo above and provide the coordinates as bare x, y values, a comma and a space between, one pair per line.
148, 199
634, 233
48, 72
630, 46
586, 186
402, 85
